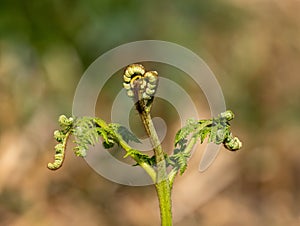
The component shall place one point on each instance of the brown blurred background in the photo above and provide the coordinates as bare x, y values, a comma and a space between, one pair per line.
253, 47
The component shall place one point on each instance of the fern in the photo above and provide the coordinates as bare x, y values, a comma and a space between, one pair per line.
86, 133
186, 130
203, 130
141, 86
179, 159
199, 129
232, 143
61, 136
217, 131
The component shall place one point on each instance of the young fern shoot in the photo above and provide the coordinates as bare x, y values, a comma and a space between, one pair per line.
140, 86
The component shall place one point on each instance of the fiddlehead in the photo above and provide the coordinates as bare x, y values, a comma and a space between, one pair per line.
61, 136
87, 132
140, 85
220, 132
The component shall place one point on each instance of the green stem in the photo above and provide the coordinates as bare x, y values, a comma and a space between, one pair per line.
162, 184
158, 151
151, 172
163, 190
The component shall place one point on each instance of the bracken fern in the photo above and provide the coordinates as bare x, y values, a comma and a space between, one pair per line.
141, 86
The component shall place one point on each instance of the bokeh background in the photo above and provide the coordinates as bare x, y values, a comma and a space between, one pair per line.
253, 47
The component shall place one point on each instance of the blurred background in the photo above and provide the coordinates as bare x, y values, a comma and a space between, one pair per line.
253, 47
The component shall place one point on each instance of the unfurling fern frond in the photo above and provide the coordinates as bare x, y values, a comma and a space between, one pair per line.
140, 85
65, 123
58, 157
220, 132
87, 132
232, 143
217, 131
61, 136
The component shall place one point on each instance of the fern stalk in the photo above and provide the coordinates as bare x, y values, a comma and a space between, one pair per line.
162, 183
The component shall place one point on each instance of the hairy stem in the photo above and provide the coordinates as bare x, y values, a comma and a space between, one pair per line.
151, 172
164, 197
148, 124
162, 183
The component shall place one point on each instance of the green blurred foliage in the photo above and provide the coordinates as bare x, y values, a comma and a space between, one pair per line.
95, 26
